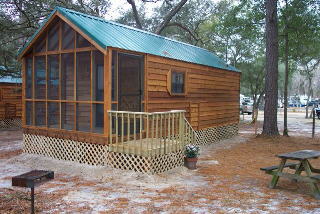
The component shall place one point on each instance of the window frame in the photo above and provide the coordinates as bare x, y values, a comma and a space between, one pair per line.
169, 81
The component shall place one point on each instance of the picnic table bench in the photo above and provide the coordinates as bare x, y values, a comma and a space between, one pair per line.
303, 164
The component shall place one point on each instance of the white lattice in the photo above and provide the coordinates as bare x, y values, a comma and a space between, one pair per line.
62, 149
211, 135
10, 123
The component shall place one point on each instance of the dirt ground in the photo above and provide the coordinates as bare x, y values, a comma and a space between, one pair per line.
228, 179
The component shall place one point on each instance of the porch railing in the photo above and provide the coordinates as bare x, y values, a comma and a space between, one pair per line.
149, 134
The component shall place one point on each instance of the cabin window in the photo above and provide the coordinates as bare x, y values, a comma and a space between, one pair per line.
83, 117
83, 76
98, 77
82, 42
67, 116
40, 77
53, 115
67, 76
53, 77
29, 113
40, 113
177, 82
97, 117
29, 80
53, 38
67, 36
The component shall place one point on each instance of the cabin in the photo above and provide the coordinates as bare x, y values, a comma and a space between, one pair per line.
10, 102
102, 93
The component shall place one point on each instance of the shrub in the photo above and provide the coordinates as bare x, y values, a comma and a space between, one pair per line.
192, 151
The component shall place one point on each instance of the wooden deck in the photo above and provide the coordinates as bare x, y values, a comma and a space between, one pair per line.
147, 147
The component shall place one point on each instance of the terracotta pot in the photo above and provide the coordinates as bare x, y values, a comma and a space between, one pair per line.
190, 163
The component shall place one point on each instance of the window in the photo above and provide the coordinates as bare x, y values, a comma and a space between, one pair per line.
40, 111
41, 44
68, 36
64, 85
177, 82
114, 76
97, 117
67, 116
82, 42
83, 117
67, 76
83, 76
40, 77
53, 115
53, 37
53, 77
29, 113
98, 77
29, 80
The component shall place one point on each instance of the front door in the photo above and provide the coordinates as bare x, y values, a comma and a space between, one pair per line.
130, 87
130, 81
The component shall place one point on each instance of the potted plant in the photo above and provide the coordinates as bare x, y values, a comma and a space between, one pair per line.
191, 156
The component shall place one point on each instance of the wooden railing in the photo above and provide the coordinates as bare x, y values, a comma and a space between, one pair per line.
149, 134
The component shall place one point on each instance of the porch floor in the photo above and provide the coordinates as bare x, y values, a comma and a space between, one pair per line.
147, 147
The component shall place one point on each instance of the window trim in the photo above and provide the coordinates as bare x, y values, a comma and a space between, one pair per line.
169, 82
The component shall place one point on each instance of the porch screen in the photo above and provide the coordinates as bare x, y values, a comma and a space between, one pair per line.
66, 76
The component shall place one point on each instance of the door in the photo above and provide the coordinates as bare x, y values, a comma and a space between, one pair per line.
130, 82
130, 87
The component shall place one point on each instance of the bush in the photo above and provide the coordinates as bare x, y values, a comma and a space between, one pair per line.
192, 151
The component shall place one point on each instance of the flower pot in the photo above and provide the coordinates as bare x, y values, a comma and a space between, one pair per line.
190, 163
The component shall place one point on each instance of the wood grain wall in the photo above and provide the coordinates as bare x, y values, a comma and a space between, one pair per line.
212, 95
10, 95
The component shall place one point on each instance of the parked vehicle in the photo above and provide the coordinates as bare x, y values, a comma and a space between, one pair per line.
313, 103
317, 112
246, 107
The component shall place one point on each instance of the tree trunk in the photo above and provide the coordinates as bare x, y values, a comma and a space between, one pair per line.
286, 79
135, 13
309, 96
270, 127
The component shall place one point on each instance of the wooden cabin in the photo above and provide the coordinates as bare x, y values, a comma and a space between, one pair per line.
10, 102
103, 93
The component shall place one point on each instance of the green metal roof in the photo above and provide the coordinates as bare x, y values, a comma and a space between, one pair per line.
111, 34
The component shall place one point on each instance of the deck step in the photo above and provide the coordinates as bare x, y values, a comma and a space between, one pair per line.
271, 168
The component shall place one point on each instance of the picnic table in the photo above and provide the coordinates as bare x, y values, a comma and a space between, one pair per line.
302, 157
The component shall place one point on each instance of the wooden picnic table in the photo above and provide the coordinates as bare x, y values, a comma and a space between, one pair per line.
302, 157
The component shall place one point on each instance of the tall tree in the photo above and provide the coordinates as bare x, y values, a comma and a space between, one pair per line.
270, 126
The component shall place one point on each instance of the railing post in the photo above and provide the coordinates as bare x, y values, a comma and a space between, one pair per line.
110, 129
181, 135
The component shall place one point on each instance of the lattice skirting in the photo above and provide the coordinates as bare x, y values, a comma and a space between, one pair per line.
151, 165
96, 154
211, 135
10, 123
62, 149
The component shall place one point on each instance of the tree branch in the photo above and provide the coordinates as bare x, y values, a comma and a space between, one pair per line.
183, 28
23, 12
135, 13
169, 16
